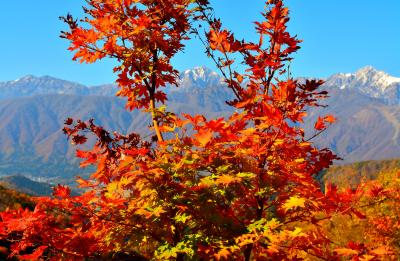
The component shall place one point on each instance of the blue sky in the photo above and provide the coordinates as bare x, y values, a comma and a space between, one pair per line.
339, 36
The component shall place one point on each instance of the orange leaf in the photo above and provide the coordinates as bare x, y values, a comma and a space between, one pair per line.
330, 119
61, 191
346, 251
222, 254
227, 179
204, 136
382, 251
320, 124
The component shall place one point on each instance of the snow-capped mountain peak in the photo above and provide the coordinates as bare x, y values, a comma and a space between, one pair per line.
200, 77
369, 69
24, 79
369, 81
199, 73
370, 75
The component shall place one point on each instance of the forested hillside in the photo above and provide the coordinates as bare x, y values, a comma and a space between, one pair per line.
353, 174
12, 199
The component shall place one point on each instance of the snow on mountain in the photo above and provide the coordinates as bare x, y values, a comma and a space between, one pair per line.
27, 86
202, 88
369, 75
31, 85
369, 81
200, 77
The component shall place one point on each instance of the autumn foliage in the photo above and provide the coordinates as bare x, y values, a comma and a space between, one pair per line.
236, 188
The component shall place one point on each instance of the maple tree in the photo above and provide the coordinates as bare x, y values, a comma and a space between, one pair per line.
236, 188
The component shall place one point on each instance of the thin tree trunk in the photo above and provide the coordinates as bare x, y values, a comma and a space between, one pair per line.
155, 122
180, 257
247, 252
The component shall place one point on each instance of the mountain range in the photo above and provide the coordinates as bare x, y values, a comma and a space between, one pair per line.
33, 109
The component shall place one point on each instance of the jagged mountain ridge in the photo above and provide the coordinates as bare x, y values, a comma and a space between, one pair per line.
28, 86
367, 80
33, 109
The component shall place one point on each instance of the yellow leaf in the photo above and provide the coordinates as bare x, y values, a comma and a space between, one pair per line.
367, 258
227, 179
248, 132
125, 181
381, 251
346, 251
207, 182
158, 211
305, 144
112, 188
278, 142
246, 175
294, 202
297, 232
166, 128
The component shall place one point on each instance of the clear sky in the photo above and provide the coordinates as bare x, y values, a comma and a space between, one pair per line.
339, 36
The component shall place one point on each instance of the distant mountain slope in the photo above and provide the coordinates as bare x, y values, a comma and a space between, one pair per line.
31, 138
12, 199
366, 129
26, 186
33, 109
353, 174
